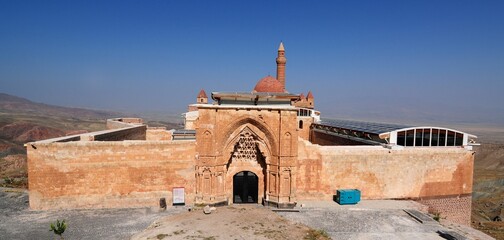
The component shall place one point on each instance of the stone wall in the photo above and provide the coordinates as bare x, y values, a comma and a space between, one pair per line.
304, 124
381, 173
158, 134
121, 134
456, 208
116, 123
109, 174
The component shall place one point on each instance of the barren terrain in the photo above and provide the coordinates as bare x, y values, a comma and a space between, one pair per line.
232, 222
488, 189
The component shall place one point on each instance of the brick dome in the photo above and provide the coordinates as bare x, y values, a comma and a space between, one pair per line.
269, 84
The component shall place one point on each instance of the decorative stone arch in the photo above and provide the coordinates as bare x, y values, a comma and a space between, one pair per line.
257, 125
256, 160
234, 137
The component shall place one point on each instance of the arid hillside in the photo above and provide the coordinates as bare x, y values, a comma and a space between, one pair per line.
488, 189
17, 105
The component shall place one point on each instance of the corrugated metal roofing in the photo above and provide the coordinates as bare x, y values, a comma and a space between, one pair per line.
253, 94
184, 132
368, 127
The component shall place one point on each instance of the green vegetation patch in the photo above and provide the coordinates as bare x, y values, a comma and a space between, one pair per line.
313, 234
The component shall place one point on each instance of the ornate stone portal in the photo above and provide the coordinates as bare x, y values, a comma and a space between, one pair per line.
245, 147
246, 156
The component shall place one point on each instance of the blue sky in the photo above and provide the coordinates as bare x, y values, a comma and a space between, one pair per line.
427, 60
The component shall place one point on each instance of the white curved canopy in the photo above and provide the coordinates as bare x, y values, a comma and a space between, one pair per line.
394, 134
428, 137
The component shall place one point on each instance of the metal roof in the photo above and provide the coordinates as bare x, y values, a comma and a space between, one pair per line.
255, 93
254, 96
368, 127
184, 132
379, 133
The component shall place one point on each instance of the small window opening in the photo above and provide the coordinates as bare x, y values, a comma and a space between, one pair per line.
410, 137
459, 139
401, 138
442, 138
301, 124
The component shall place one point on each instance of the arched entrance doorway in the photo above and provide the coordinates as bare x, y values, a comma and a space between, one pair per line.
245, 187
246, 168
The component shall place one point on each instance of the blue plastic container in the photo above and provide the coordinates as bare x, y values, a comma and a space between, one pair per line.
347, 196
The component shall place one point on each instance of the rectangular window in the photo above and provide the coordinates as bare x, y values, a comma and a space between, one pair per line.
442, 138
435, 137
426, 137
401, 139
418, 137
410, 137
459, 139
450, 141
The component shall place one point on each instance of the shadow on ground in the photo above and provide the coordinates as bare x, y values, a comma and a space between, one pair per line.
18, 222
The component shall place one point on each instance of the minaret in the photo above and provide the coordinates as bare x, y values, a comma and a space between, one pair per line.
281, 60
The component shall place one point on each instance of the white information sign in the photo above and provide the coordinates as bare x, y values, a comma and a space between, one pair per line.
178, 196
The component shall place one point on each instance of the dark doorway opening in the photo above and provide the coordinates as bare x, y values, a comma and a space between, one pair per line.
245, 187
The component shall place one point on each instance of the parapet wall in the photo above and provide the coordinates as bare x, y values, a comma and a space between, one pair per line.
381, 173
158, 134
116, 123
121, 134
109, 174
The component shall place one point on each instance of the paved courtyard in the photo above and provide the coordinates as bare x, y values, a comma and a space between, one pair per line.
374, 219
367, 220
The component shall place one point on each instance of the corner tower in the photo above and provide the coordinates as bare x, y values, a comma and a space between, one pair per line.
281, 60
202, 97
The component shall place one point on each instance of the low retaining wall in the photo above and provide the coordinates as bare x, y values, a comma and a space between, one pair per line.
456, 208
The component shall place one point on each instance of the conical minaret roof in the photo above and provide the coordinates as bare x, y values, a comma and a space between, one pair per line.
281, 47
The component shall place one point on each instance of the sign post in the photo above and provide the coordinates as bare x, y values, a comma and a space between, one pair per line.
178, 196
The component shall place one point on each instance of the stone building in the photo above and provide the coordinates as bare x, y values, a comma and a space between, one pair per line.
266, 146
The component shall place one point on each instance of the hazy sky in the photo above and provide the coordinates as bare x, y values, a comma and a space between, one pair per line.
362, 59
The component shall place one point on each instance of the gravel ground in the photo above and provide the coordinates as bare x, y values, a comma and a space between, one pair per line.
236, 222
18, 222
376, 219
365, 224
366, 220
